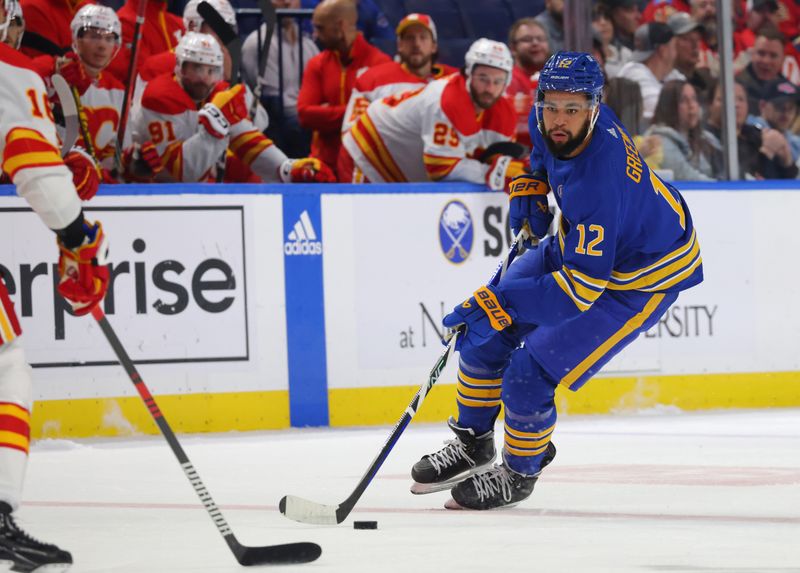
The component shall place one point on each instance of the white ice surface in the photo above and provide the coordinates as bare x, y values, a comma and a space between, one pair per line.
664, 492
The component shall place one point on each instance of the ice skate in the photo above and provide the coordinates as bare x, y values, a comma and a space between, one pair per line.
497, 487
24, 554
459, 459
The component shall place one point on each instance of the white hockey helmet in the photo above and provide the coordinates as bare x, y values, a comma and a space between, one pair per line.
486, 52
12, 8
198, 48
193, 21
95, 16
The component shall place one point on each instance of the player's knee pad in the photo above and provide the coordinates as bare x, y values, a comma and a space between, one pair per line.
15, 376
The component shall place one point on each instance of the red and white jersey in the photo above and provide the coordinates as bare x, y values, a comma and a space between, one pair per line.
386, 80
169, 118
102, 103
30, 156
431, 133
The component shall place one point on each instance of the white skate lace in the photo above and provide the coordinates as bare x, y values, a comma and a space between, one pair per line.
449, 455
496, 480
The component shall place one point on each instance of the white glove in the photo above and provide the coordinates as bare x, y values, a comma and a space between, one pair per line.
214, 121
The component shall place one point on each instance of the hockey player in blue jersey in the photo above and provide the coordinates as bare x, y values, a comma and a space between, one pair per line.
624, 249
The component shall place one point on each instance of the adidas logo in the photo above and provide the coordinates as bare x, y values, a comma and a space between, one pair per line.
302, 239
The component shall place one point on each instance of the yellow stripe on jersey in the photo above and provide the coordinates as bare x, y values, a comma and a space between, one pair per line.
249, 145
14, 440
385, 157
6, 332
585, 287
635, 322
527, 444
479, 381
565, 285
172, 160
439, 167
671, 264
478, 393
16, 412
675, 279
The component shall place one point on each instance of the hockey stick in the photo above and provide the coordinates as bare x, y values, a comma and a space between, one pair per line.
227, 35
306, 511
266, 555
130, 85
233, 43
69, 110
270, 17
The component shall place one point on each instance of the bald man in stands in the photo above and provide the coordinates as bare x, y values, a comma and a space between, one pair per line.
330, 75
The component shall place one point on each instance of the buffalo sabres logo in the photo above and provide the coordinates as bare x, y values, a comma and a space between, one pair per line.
455, 232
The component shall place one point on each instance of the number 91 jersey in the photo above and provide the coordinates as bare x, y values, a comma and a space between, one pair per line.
429, 134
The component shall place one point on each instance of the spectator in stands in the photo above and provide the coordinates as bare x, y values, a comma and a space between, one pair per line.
16, 27
653, 63
328, 80
614, 56
437, 133
779, 111
624, 97
763, 14
284, 128
372, 22
687, 53
765, 66
47, 26
626, 17
661, 10
552, 19
195, 120
160, 32
704, 13
417, 44
686, 147
763, 154
529, 45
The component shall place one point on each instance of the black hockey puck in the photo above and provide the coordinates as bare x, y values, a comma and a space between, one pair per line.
365, 525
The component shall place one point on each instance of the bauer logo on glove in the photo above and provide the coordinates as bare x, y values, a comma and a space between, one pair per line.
498, 317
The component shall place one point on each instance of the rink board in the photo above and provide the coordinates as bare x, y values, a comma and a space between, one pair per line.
254, 309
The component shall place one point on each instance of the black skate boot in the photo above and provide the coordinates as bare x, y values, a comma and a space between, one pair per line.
458, 460
497, 487
24, 553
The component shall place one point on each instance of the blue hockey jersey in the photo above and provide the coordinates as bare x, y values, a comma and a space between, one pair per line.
622, 228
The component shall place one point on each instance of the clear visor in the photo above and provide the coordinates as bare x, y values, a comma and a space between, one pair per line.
204, 73
572, 108
94, 34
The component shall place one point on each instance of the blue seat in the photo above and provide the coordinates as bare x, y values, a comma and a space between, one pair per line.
525, 8
394, 10
452, 51
385, 45
114, 4
487, 19
445, 14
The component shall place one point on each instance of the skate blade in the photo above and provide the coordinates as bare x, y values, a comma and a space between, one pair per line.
425, 488
53, 568
454, 505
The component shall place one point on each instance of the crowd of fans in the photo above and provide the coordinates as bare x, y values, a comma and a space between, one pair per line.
331, 106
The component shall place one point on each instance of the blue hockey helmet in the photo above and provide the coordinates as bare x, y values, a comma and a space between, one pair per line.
574, 72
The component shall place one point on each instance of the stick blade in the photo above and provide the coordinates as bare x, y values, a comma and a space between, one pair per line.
303, 552
306, 511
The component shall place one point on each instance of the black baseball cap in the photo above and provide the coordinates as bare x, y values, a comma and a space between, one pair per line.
769, 4
780, 90
648, 37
